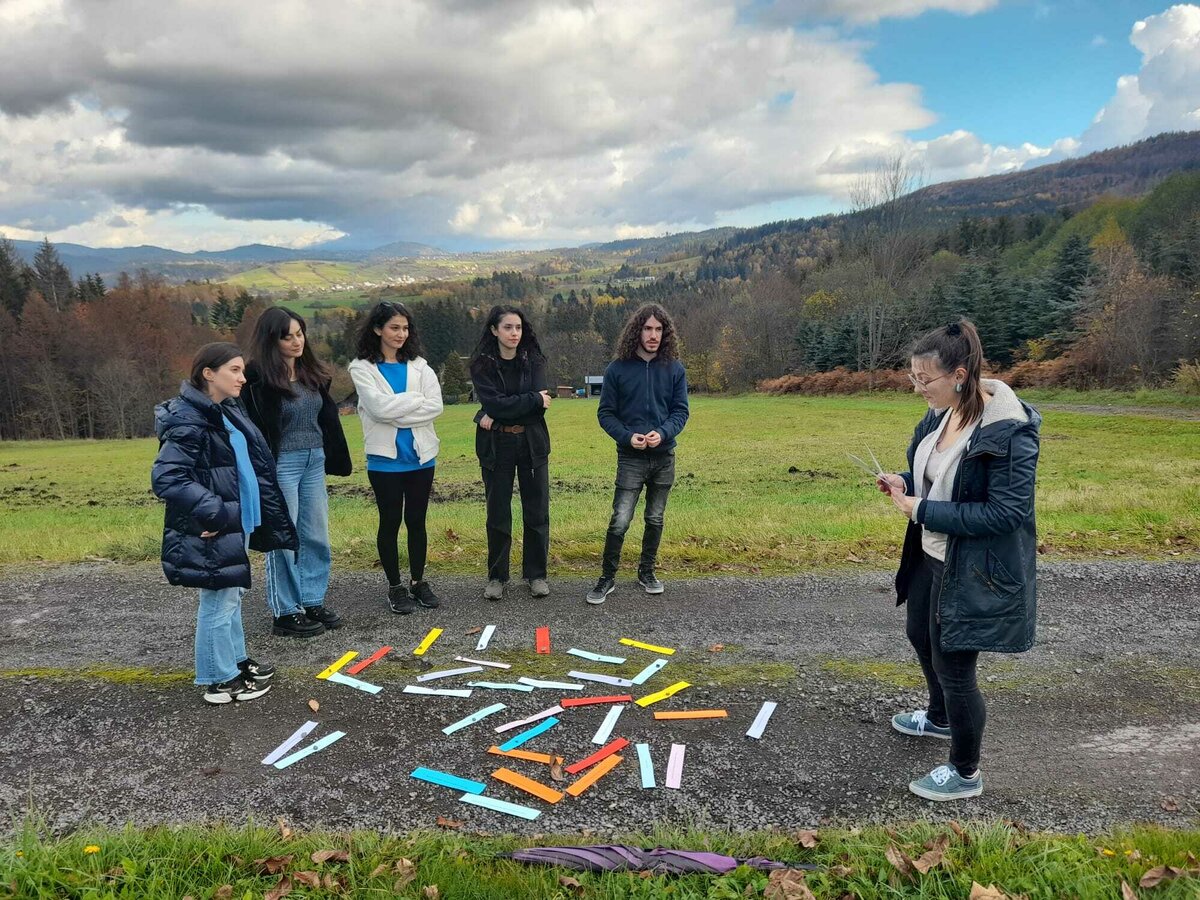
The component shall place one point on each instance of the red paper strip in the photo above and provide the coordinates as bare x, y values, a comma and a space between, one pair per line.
588, 701
373, 658
543, 640
606, 750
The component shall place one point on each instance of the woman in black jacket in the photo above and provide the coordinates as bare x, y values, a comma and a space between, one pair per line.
508, 374
967, 569
217, 476
287, 396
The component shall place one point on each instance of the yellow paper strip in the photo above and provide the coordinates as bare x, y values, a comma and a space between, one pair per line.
663, 694
434, 634
594, 774
346, 657
628, 642
694, 714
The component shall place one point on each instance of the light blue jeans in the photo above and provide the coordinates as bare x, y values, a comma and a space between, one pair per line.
296, 580
220, 641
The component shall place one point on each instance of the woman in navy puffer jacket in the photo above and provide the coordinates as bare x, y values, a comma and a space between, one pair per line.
217, 476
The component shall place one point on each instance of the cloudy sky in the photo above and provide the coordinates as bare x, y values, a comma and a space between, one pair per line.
205, 124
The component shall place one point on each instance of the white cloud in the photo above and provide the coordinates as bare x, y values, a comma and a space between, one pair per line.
867, 11
1099, 40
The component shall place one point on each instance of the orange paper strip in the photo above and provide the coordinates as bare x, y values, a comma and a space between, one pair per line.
606, 750
528, 785
525, 755
593, 776
543, 640
693, 714
590, 701
373, 658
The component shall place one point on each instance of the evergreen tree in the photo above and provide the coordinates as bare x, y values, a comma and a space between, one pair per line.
1065, 281
221, 315
455, 384
240, 303
14, 279
51, 277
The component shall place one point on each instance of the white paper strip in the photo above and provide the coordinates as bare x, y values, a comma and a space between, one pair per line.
483, 662
675, 765
502, 686
557, 685
474, 717
643, 676
435, 692
486, 637
536, 717
602, 679
310, 749
300, 734
596, 657
366, 687
761, 720
646, 765
607, 725
502, 806
449, 673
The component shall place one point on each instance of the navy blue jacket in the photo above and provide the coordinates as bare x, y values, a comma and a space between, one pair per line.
196, 474
638, 397
989, 584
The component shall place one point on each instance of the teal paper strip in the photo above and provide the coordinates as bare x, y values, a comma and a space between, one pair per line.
474, 717
445, 779
643, 676
524, 736
647, 765
503, 806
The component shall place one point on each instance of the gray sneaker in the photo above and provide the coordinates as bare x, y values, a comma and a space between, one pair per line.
650, 582
603, 588
494, 590
918, 725
539, 587
944, 783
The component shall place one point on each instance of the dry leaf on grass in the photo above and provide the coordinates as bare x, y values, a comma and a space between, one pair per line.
280, 890
991, 892
224, 892
475, 630
1156, 876
431, 892
850, 557
898, 858
333, 885
443, 822
284, 831
323, 856
308, 879
452, 536
787, 884
806, 837
1127, 893
716, 648
941, 842
840, 871
929, 860
314, 705
273, 865
571, 884
959, 831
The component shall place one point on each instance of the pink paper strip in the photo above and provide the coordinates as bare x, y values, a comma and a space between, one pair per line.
675, 765
536, 717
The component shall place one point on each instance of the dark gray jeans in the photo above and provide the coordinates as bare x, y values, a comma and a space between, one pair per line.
635, 470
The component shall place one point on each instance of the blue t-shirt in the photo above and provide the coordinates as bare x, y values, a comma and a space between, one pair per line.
248, 492
406, 459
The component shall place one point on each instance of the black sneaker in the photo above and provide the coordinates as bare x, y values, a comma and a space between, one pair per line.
237, 689
603, 588
400, 601
324, 615
648, 580
296, 625
259, 671
424, 595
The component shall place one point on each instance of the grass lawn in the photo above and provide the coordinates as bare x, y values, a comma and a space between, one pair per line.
251, 861
763, 486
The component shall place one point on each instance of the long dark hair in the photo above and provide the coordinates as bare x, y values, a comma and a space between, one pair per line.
487, 351
631, 334
954, 346
272, 327
369, 343
211, 356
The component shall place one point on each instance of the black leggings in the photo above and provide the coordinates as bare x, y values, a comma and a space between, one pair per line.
402, 497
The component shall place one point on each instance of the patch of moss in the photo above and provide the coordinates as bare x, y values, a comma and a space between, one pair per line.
101, 673
893, 674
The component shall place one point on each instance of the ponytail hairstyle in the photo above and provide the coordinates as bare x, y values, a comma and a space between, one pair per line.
211, 356
272, 327
956, 346
369, 343
486, 355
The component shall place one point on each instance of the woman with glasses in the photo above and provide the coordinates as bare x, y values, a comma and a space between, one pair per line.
967, 570
399, 398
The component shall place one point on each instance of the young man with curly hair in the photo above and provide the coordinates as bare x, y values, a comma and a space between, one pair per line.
643, 407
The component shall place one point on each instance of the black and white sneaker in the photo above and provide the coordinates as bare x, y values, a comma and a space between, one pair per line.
603, 588
259, 671
424, 595
648, 580
238, 689
324, 615
400, 601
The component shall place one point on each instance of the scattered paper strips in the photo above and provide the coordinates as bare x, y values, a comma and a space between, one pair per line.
365, 687
445, 779
675, 765
694, 714
556, 685
587, 762
434, 634
501, 806
536, 717
597, 772
449, 673
528, 785
643, 676
502, 686
544, 758
665, 651
514, 742
312, 748
597, 657
373, 658
542, 640
485, 638
345, 658
483, 662
300, 734
477, 716
606, 727
646, 765
600, 679
663, 694
436, 692
761, 720
593, 701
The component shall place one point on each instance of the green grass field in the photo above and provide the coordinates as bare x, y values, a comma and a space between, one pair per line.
763, 486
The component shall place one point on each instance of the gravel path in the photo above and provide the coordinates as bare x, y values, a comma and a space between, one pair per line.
1098, 726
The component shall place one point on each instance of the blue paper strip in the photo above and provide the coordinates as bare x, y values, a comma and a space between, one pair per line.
310, 749
596, 657
514, 743
511, 809
647, 766
643, 676
474, 717
445, 779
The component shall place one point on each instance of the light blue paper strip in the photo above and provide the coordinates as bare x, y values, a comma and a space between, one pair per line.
550, 685
310, 749
643, 676
486, 637
503, 806
501, 686
445, 779
601, 679
449, 673
606, 726
646, 764
515, 742
596, 657
761, 720
355, 683
474, 717
300, 734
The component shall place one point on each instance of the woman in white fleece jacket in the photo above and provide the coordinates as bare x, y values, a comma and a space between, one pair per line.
398, 399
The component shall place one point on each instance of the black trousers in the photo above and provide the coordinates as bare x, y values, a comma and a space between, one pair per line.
954, 696
635, 470
513, 458
402, 497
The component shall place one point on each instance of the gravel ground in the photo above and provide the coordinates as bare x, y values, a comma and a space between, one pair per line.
1098, 726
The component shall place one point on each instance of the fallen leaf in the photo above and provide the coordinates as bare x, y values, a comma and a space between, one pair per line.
321, 856
333, 885
840, 871
314, 705
475, 630
806, 838
716, 648
407, 871
284, 831
280, 890
927, 861
443, 822
850, 557
991, 892
224, 892
1156, 876
114, 872
234, 860
898, 858
309, 879
1127, 892
378, 870
941, 842
750, 891
556, 770
452, 536
273, 864
210, 771
645, 874
959, 831
1170, 804
571, 884
431, 891
787, 884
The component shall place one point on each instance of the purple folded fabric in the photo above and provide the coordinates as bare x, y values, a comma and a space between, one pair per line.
618, 858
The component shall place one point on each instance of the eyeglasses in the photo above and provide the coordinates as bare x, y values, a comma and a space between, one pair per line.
917, 383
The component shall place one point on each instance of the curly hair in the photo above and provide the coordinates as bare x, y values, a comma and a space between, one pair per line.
487, 350
631, 334
369, 344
